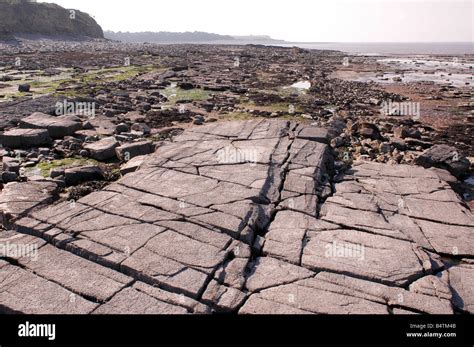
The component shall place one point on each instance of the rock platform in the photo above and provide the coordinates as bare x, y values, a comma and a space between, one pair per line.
245, 217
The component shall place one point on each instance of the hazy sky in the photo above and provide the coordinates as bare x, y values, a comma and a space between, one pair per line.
292, 20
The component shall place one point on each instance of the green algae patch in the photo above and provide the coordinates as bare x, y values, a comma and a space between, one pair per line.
174, 94
44, 168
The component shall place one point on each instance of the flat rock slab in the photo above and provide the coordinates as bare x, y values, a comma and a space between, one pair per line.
328, 293
47, 280
460, 278
192, 206
365, 255
144, 299
286, 235
405, 203
269, 272
23, 292
18, 198
57, 126
25, 138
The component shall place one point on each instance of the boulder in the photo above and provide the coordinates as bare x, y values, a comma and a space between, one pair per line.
445, 157
185, 85
24, 88
385, 147
417, 143
82, 174
404, 132
369, 130
11, 164
121, 128
102, 150
398, 143
8, 176
58, 127
141, 128
135, 149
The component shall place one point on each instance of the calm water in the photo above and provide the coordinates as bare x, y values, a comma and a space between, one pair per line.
454, 48
301, 85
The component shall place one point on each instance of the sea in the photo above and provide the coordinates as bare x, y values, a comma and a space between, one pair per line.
385, 48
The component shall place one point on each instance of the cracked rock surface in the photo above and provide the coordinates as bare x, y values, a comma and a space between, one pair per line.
245, 217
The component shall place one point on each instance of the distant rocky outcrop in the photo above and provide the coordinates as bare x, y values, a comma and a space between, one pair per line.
186, 37
166, 37
24, 17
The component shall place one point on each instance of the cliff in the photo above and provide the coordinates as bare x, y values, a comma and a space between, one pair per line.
19, 17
